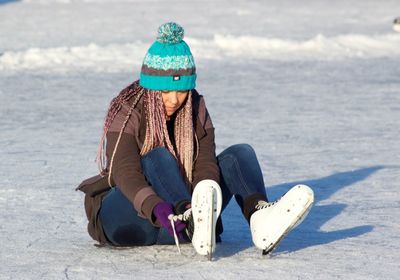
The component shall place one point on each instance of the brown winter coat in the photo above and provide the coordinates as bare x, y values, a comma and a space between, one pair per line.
126, 171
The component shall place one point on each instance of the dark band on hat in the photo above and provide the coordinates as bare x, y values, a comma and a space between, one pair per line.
169, 72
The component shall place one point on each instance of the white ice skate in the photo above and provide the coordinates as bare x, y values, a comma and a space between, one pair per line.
206, 207
272, 221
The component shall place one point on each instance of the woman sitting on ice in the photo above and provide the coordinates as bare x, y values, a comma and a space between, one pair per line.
160, 179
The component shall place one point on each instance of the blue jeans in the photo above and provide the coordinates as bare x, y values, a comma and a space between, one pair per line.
240, 176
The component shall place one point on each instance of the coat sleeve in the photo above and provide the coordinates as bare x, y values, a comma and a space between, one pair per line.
127, 174
205, 166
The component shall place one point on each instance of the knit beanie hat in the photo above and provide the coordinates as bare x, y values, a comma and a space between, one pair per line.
168, 64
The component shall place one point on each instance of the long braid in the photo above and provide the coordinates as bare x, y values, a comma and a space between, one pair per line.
184, 137
115, 106
157, 131
156, 128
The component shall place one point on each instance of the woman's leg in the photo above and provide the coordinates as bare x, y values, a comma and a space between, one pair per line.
121, 223
163, 174
241, 176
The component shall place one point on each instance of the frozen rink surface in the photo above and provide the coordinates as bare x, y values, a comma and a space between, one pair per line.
313, 86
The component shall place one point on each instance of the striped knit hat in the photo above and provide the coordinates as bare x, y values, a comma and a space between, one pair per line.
168, 64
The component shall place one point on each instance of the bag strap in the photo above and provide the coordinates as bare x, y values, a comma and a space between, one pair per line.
139, 95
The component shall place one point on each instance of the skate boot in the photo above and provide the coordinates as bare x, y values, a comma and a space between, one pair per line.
206, 207
273, 220
201, 218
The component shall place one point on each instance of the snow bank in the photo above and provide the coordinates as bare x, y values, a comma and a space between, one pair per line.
319, 47
109, 58
117, 57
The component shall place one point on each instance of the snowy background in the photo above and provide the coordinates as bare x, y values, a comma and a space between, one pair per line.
312, 85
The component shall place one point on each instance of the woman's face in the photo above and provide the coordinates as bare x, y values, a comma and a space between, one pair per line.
173, 100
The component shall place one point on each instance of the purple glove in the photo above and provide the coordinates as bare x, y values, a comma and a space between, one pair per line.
162, 210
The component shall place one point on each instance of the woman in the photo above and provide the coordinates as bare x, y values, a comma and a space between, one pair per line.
159, 172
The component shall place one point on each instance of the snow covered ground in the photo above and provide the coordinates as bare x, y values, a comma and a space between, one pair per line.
313, 86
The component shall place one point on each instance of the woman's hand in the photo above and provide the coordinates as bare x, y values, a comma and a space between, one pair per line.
164, 210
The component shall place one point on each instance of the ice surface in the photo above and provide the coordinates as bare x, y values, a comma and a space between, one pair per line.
313, 87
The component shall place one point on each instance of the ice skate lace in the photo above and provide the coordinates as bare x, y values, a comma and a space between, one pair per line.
182, 217
264, 204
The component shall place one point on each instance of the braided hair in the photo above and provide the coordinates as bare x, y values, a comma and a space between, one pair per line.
156, 128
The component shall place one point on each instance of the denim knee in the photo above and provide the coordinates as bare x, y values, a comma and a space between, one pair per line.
239, 150
159, 154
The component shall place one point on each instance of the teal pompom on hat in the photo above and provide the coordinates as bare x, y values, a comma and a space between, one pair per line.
168, 64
